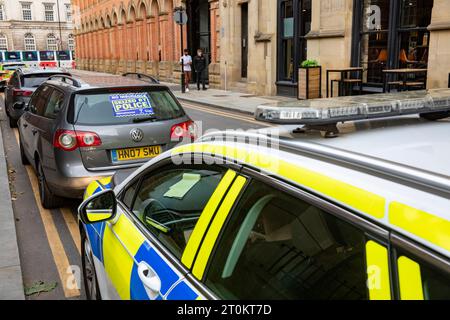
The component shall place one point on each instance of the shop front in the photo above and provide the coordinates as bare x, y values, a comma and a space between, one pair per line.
390, 34
294, 23
373, 34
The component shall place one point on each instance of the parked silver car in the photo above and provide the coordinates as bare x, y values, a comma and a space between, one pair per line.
21, 85
74, 131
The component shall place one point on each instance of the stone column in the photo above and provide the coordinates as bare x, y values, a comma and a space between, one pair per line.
165, 66
439, 54
214, 67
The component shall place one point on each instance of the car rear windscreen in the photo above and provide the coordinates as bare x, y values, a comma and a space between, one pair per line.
35, 80
124, 107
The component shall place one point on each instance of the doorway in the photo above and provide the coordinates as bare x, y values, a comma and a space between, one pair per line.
244, 38
199, 30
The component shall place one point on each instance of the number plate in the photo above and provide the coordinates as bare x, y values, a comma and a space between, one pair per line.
135, 153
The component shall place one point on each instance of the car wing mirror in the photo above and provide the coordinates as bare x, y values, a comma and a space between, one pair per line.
19, 105
100, 207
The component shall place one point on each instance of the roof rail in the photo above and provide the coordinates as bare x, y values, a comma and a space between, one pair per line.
423, 178
142, 76
64, 77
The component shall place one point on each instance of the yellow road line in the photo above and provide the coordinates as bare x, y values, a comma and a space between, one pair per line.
228, 115
54, 241
72, 225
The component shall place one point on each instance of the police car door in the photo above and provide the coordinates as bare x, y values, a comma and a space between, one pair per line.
279, 242
159, 210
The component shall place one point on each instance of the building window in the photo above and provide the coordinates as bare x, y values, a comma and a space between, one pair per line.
392, 38
49, 13
3, 42
294, 23
2, 12
52, 43
26, 11
413, 34
71, 42
68, 12
30, 44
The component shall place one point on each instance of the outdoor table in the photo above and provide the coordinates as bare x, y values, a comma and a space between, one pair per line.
403, 73
345, 76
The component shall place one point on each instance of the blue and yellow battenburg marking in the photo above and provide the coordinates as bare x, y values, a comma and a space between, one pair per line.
126, 279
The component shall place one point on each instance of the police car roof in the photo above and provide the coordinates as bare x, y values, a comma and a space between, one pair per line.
406, 140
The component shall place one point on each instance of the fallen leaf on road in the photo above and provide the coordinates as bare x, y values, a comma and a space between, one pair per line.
40, 286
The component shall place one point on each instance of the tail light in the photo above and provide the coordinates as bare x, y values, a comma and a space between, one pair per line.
21, 93
70, 140
183, 130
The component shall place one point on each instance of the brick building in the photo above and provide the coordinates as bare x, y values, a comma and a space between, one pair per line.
140, 36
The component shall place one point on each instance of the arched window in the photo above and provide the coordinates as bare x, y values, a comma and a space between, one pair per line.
52, 44
2, 12
30, 44
3, 42
71, 42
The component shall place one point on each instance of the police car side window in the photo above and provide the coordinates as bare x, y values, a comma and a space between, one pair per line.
434, 282
276, 246
169, 202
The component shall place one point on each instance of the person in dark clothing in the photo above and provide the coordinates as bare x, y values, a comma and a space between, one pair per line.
200, 67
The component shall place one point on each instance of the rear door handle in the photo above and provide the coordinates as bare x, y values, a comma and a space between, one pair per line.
34, 131
25, 125
150, 280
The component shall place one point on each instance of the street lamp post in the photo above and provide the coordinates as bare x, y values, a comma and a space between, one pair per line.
180, 18
60, 32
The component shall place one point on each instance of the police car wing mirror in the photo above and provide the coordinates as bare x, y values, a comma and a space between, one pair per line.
99, 207
150, 280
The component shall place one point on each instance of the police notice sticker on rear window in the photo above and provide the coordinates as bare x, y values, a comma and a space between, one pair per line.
131, 104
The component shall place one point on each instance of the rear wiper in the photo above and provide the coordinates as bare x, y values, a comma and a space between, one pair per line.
138, 120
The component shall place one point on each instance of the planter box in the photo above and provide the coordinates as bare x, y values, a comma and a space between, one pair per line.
309, 83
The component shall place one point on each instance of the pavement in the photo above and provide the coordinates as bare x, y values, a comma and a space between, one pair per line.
230, 100
11, 283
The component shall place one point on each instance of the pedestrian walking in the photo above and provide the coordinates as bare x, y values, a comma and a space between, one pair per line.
186, 61
200, 67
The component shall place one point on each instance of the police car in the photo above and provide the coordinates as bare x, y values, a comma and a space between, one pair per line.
284, 214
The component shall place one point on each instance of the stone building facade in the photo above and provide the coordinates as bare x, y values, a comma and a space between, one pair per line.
257, 46
34, 25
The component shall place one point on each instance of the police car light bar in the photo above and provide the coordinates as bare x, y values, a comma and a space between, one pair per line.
330, 111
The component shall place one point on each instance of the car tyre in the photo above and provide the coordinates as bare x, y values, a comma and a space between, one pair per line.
23, 157
89, 274
48, 199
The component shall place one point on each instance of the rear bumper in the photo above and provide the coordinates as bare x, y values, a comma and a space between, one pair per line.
74, 187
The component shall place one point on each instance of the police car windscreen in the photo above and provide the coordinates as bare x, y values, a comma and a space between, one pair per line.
125, 107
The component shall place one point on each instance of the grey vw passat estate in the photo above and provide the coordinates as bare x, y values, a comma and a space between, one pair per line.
74, 131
